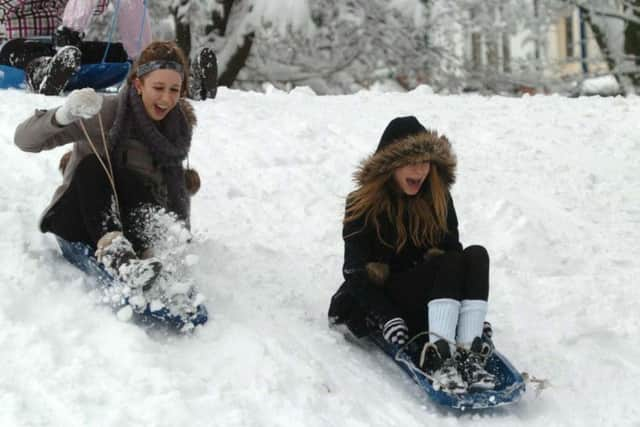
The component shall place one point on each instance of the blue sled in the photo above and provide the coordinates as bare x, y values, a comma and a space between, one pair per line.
509, 388
97, 76
11, 77
81, 256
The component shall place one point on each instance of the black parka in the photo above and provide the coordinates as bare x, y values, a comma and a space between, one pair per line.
359, 303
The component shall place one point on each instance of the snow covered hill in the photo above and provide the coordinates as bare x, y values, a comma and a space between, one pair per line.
550, 185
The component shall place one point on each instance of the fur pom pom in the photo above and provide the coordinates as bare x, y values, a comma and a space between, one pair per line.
192, 181
64, 161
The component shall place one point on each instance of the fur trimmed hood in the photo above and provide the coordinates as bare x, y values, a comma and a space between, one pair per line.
416, 148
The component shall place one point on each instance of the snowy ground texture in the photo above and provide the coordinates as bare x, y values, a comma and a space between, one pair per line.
550, 185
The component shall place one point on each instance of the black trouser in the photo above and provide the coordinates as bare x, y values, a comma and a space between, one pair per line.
86, 210
455, 275
20, 52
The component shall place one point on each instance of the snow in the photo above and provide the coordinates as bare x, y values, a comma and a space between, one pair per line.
602, 85
297, 14
550, 185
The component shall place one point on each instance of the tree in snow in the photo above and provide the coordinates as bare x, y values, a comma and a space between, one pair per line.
333, 45
343, 46
616, 27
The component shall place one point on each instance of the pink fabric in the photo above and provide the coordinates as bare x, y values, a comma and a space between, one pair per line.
77, 15
130, 26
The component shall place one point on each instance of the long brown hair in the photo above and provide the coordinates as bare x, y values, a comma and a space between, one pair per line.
162, 51
426, 211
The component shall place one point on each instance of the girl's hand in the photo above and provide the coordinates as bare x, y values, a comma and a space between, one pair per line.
81, 103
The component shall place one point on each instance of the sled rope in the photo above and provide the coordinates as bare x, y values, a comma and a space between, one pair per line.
109, 170
114, 19
423, 333
144, 17
538, 384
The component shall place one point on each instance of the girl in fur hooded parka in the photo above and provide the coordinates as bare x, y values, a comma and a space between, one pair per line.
404, 267
127, 158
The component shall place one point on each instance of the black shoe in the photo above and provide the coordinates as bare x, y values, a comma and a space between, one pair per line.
204, 72
437, 363
35, 72
115, 252
471, 365
59, 70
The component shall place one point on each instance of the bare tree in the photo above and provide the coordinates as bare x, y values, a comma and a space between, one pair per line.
348, 38
616, 28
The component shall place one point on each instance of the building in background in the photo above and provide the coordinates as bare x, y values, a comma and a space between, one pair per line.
532, 51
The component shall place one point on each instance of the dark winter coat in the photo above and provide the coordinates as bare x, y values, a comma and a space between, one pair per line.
41, 132
362, 302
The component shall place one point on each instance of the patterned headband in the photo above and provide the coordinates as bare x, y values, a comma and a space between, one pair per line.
148, 67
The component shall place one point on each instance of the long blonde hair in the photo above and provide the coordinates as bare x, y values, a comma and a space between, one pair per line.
427, 211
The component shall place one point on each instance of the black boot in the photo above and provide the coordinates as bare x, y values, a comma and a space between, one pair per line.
471, 365
116, 253
58, 71
65, 36
436, 361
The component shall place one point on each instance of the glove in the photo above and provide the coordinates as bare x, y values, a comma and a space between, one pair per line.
395, 331
377, 272
81, 103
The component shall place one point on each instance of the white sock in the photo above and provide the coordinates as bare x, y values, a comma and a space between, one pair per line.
443, 318
472, 315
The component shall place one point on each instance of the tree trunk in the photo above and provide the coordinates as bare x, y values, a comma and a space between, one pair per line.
236, 62
632, 43
183, 29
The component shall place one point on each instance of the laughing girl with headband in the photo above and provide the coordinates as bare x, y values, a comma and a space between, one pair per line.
128, 154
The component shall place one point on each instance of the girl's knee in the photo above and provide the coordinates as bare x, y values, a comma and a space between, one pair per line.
89, 165
476, 254
453, 259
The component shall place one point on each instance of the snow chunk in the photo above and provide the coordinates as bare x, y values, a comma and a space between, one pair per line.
191, 260
125, 313
156, 305
603, 85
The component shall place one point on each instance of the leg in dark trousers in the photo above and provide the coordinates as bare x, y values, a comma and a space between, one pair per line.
87, 210
476, 265
440, 277
19, 52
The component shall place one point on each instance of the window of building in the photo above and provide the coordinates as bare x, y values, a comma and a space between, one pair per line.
569, 40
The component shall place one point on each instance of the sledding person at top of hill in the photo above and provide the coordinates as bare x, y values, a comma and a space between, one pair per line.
43, 40
49, 66
131, 14
149, 126
405, 269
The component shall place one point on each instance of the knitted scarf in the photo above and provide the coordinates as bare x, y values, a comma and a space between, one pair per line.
168, 142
